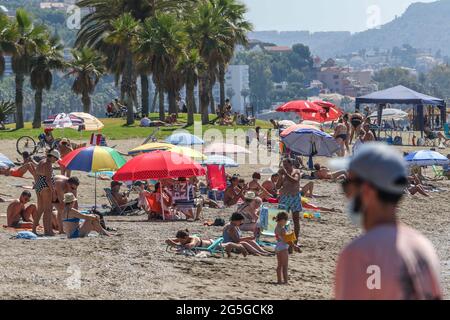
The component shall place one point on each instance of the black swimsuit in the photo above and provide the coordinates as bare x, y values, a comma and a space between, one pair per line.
41, 183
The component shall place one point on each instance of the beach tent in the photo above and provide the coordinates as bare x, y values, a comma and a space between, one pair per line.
403, 95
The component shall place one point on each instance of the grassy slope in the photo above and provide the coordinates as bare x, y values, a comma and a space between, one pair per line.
115, 129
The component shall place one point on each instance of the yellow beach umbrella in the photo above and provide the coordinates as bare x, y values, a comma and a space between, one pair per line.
90, 123
149, 147
188, 152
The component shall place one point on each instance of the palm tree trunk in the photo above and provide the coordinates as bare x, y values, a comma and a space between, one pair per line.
128, 89
162, 115
19, 100
190, 102
38, 109
211, 99
86, 100
172, 101
204, 98
145, 94
222, 86
155, 98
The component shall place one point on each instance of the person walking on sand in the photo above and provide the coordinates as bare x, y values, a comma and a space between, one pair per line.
290, 197
341, 136
45, 190
391, 261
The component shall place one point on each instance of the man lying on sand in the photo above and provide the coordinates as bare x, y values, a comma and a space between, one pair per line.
323, 173
19, 214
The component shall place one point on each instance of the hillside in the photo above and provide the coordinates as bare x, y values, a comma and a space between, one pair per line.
423, 26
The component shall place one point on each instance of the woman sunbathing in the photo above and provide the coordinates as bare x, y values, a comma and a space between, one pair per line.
250, 210
232, 234
183, 239
71, 223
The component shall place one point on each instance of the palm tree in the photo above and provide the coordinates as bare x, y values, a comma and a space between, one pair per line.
161, 43
6, 108
30, 40
123, 38
97, 25
205, 29
233, 14
41, 78
190, 66
245, 93
87, 66
8, 36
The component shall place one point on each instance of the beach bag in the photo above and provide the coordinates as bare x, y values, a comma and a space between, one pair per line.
290, 237
219, 222
398, 141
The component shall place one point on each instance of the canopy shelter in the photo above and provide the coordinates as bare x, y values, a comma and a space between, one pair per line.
404, 95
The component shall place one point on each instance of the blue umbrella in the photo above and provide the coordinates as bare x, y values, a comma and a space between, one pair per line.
220, 161
310, 142
5, 162
184, 139
425, 158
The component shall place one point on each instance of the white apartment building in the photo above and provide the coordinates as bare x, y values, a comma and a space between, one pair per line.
236, 80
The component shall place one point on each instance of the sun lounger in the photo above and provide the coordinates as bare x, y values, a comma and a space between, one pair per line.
438, 173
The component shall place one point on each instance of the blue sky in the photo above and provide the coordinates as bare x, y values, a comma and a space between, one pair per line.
323, 15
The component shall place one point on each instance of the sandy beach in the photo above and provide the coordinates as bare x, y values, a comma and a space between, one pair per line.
135, 264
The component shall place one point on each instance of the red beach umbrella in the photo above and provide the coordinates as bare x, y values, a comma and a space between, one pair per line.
159, 165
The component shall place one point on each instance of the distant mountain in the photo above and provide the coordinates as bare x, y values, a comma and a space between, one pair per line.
423, 26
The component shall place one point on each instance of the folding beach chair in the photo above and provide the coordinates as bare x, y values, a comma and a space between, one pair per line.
217, 182
267, 224
438, 173
120, 210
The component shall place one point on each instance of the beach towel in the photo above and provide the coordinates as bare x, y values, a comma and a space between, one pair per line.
27, 235
216, 177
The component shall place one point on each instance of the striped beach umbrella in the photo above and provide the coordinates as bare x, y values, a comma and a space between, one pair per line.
93, 159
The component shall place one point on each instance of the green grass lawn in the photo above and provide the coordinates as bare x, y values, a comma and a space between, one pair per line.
115, 129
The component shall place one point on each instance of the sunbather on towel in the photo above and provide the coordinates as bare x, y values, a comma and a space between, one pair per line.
184, 239
19, 214
233, 234
28, 166
323, 173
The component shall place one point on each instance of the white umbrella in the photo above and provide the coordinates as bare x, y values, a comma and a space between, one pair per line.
90, 122
225, 148
391, 114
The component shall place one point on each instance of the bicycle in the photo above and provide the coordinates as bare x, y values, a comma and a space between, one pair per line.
28, 144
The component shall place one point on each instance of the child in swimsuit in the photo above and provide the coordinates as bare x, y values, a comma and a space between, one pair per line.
282, 247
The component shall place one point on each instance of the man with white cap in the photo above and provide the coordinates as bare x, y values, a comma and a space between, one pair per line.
391, 261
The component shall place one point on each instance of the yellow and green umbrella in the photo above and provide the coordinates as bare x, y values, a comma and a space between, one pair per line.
149, 147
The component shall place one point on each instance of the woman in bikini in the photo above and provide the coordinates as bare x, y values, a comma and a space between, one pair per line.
232, 235
340, 135
250, 210
45, 191
71, 220
182, 238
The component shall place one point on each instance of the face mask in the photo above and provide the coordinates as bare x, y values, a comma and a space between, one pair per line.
354, 212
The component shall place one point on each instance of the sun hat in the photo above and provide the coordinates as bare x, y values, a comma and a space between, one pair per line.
69, 198
54, 153
379, 164
250, 195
